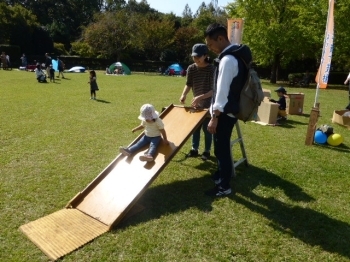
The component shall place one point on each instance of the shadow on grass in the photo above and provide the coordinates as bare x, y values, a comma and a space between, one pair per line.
340, 148
291, 123
312, 227
305, 115
102, 101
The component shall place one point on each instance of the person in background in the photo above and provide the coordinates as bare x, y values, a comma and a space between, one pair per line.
48, 62
3, 60
8, 61
24, 60
52, 73
93, 85
230, 77
60, 67
154, 131
200, 79
40, 74
281, 92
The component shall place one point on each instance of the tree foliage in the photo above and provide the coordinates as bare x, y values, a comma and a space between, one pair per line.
185, 38
159, 35
279, 32
112, 33
282, 31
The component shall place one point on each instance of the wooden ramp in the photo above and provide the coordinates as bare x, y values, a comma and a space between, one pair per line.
112, 194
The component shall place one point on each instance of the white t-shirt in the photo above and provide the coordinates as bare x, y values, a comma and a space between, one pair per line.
38, 72
152, 129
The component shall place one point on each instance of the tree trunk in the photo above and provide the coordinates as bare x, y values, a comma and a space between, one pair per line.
275, 67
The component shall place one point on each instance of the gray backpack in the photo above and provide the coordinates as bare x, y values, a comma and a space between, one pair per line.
252, 94
251, 97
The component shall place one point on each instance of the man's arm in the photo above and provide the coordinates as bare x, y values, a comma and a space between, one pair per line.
228, 69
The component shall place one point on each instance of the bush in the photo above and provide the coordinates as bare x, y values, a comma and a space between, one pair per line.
81, 49
59, 49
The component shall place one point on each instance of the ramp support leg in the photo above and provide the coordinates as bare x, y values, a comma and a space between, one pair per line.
239, 140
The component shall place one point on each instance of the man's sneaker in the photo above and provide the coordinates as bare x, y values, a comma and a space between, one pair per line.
217, 181
218, 191
192, 153
124, 151
205, 156
147, 158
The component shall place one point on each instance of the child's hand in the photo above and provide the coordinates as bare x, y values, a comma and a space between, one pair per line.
166, 142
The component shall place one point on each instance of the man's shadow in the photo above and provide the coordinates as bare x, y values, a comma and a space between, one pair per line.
310, 226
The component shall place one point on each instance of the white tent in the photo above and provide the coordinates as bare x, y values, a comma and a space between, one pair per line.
77, 69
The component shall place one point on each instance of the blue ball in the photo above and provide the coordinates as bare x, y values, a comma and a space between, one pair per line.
320, 137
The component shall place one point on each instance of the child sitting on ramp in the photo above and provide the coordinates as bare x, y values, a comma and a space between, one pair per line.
154, 131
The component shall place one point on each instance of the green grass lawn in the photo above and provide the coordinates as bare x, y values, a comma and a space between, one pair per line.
291, 203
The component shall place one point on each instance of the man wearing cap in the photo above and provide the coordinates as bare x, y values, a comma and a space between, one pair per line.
281, 92
230, 77
200, 78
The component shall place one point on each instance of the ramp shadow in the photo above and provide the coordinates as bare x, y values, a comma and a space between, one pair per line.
310, 226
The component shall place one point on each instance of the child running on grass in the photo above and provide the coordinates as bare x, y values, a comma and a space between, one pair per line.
154, 131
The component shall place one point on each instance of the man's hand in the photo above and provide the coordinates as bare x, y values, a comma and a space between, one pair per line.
212, 125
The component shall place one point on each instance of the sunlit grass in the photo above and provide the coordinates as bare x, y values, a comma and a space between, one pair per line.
291, 203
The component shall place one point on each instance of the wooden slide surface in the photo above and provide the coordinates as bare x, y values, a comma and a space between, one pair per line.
109, 197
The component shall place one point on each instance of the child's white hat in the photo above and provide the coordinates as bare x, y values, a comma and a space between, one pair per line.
147, 112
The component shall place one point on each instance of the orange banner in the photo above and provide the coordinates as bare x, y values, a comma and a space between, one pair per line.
235, 30
327, 51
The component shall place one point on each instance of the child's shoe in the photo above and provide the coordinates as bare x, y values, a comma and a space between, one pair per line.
147, 158
124, 151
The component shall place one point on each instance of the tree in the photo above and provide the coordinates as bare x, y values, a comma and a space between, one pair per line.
81, 49
342, 35
207, 15
20, 27
185, 38
113, 33
143, 7
63, 19
113, 5
187, 16
279, 31
158, 35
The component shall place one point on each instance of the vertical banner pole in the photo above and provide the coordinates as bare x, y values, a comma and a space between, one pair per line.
322, 73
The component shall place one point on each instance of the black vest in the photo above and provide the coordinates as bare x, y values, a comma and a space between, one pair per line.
237, 84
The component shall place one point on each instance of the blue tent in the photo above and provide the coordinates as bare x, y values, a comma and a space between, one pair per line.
176, 67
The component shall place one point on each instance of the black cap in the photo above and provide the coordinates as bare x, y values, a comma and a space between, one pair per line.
281, 89
199, 50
